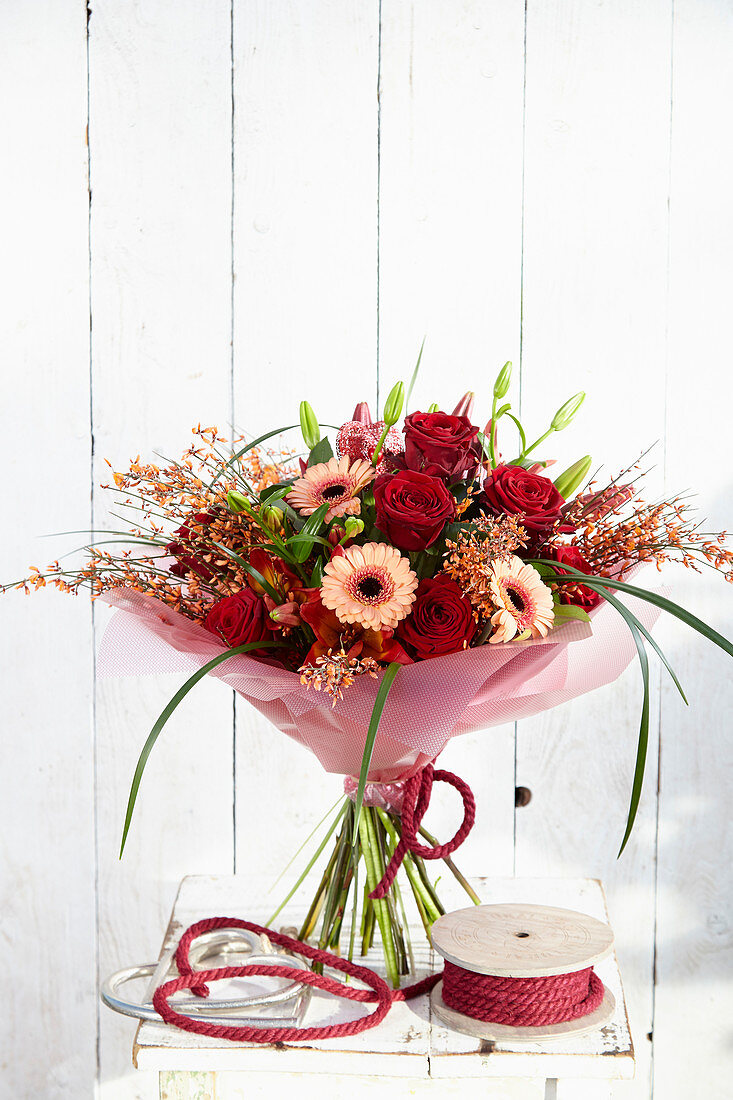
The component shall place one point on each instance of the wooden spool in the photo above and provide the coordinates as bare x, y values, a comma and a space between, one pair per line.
521, 941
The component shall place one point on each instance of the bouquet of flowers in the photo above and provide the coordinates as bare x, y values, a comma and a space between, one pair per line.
378, 595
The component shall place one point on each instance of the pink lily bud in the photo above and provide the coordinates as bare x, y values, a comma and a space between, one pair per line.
287, 614
465, 405
362, 414
336, 533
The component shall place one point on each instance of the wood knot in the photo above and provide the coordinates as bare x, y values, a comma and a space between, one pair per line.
522, 796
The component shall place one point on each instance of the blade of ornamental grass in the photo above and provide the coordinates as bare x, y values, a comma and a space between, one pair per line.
381, 699
311, 862
168, 710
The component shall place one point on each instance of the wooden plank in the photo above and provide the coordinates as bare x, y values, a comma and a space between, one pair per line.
695, 897
46, 784
595, 241
160, 132
449, 270
405, 1045
305, 202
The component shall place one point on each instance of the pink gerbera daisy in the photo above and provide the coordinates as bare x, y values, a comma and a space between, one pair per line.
336, 483
372, 585
523, 601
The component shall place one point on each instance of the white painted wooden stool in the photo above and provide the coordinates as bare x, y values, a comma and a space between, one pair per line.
410, 1053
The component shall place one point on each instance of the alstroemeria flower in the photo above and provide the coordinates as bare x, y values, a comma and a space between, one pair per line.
332, 634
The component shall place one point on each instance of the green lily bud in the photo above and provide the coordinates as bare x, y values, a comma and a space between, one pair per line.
435, 407
237, 502
309, 425
503, 381
353, 526
566, 412
393, 404
272, 517
572, 478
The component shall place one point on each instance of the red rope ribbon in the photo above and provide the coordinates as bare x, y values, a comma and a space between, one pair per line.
415, 803
196, 980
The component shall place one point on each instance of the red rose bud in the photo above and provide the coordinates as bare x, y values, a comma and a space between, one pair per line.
441, 444
441, 620
412, 508
238, 619
465, 405
579, 595
512, 490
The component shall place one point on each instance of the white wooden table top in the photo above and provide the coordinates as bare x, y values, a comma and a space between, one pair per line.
408, 1043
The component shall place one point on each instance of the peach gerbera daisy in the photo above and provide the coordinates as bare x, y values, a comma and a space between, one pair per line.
335, 483
523, 601
372, 585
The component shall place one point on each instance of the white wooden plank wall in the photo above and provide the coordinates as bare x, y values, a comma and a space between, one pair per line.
549, 185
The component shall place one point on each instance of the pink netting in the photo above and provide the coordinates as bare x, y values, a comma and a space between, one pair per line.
430, 701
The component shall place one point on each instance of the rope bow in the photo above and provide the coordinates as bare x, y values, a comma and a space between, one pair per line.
415, 803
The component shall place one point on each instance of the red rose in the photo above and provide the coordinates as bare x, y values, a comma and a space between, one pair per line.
441, 444
512, 490
578, 594
412, 508
441, 619
239, 619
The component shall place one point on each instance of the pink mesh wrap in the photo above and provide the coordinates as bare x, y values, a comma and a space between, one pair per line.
430, 701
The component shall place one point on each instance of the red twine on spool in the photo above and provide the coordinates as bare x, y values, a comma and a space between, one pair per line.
522, 1002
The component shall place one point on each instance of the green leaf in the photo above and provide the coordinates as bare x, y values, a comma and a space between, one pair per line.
413, 379
570, 611
381, 699
254, 573
271, 493
654, 598
306, 536
321, 452
168, 711
643, 738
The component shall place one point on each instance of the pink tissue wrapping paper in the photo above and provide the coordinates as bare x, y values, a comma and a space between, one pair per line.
429, 702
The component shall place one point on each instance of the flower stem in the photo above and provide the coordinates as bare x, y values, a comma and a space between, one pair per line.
369, 847
453, 869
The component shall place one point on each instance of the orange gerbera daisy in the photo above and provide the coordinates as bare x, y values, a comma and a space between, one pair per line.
372, 585
336, 483
523, 601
